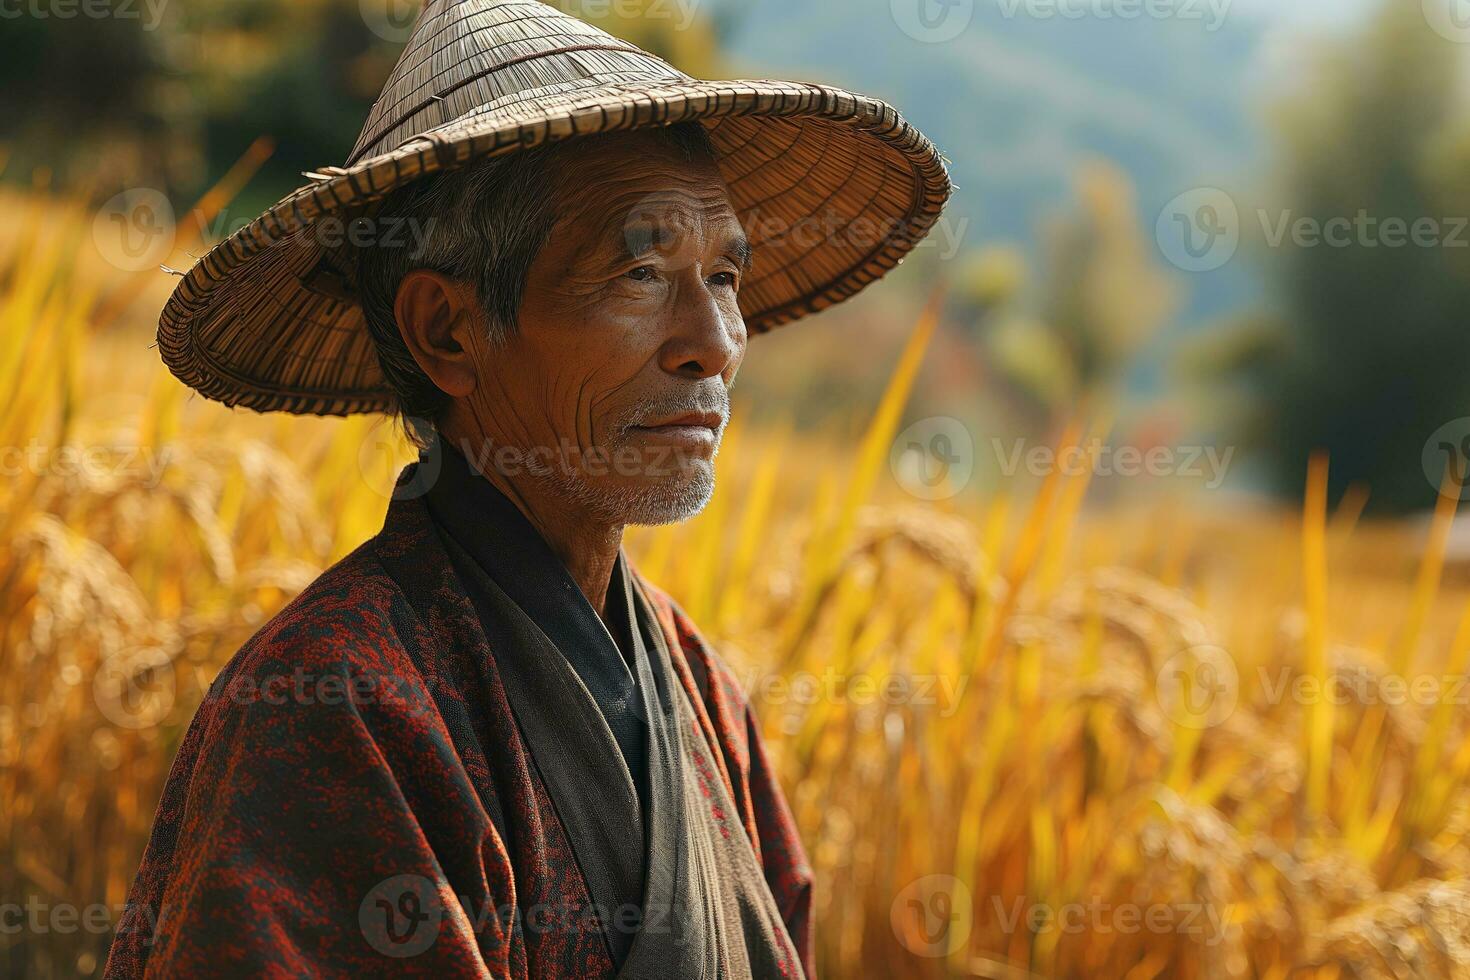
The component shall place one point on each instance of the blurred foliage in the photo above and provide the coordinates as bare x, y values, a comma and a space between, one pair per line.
1356, 350
1044, 749
1330, 839
1102, 297
186, 87
1362, 351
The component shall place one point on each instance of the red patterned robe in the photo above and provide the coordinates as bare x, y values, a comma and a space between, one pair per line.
355, 797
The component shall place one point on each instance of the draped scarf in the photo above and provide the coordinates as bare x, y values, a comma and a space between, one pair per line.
677, 884
469, 781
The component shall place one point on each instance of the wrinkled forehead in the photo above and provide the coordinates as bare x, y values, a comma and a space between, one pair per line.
637, 195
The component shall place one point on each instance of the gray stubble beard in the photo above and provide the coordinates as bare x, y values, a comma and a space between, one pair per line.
667, 500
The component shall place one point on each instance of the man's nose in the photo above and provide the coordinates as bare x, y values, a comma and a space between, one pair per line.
705, 340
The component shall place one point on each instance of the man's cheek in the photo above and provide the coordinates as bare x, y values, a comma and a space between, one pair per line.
741, 340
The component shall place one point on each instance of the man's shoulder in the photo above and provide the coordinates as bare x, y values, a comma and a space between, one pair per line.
341, 622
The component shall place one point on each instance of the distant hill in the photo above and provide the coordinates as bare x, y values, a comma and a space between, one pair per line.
1018, 102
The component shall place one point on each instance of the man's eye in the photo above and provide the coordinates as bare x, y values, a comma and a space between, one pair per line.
723, 279
642, 274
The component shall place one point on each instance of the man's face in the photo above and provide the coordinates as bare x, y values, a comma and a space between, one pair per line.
629, 335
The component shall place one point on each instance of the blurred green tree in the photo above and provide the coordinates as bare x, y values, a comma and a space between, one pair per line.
172, 96
1103, 297
1364, 350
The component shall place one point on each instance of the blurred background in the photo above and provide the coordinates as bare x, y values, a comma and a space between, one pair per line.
1096, 576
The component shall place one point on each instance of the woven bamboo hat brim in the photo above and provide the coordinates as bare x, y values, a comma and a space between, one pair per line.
833, 190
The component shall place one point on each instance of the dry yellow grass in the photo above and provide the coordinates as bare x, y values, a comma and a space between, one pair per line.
1021, 739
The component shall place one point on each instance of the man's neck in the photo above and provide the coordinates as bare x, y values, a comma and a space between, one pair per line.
588, 548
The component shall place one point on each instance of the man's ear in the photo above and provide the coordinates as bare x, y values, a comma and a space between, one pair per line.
436, 315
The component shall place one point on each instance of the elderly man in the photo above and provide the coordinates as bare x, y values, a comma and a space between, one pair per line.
482, 744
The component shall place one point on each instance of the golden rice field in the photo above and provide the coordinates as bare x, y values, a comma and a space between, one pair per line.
1023, 738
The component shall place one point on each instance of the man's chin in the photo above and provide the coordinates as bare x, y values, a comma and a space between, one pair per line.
666, 500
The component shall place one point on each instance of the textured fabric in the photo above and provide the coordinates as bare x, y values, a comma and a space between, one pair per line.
354, 796
501, 541
725, 922
696, 906
573, 752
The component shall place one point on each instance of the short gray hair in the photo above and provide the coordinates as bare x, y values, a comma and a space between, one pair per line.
484, 223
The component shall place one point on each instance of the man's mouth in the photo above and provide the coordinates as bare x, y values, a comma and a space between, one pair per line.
693, 431
707, 420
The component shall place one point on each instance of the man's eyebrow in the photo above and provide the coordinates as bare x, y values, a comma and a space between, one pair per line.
739, 247
637, 240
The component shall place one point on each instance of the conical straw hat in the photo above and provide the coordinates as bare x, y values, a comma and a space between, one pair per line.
832, 188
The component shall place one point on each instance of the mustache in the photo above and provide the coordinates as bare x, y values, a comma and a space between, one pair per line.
713, 398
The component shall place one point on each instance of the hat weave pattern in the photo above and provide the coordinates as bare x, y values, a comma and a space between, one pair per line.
832, 188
